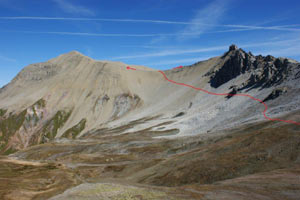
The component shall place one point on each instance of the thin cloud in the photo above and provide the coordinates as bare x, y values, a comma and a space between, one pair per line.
89, 34
288, 47
193, 22
210, 49
278, 48
173, 52
162, 35
149, 46
288, 51
7, 59
208, 15
273, 43
254, 28
179, 61
108, 34
281, 48
95, 19
68, 7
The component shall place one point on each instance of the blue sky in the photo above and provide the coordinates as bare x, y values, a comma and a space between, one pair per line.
157, 33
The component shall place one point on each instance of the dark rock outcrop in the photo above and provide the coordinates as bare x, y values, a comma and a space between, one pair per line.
234, 90
179, 114
275, 93
233, 47
263, 71
232, 68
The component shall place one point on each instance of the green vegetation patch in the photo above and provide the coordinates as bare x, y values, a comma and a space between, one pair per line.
51, 128
12, 123
75, 130
9, 126
41, 103
9, 151
2, 112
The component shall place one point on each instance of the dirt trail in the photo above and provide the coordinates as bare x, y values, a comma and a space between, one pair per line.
22, 162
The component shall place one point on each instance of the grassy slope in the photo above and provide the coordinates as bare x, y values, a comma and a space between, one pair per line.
244, 160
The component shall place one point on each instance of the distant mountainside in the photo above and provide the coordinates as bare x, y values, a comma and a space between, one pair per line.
73, 95
223, 128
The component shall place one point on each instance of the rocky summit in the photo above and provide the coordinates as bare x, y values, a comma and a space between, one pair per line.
224, 128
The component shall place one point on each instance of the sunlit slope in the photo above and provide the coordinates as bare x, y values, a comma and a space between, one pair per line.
73, 94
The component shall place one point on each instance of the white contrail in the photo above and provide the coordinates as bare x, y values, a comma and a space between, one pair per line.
128, 35
179, 61
279, 28
174, 52
117, 34
99, 34
7, 59
96, 19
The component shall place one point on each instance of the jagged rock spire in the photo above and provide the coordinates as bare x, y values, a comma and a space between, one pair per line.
233, 47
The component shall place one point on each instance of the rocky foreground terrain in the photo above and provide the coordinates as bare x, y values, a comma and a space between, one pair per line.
77, 128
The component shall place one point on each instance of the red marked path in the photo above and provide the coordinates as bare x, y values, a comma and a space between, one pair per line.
227, 94
178, 67
130, 68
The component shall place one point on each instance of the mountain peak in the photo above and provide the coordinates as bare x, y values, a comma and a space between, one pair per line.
74, 52
72, 56
233, 47
264, 71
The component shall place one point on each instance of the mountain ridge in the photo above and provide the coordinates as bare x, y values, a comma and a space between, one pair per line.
75, 127
76, 88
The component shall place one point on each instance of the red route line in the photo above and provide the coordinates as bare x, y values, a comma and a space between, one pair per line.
226, 94
178, 67
130, 68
